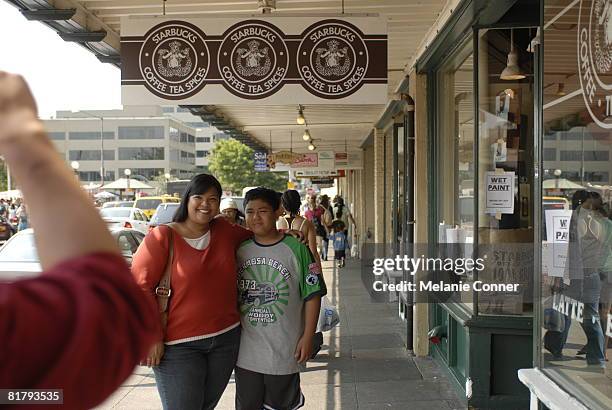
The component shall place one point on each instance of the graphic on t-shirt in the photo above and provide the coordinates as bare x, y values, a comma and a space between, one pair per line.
263, 297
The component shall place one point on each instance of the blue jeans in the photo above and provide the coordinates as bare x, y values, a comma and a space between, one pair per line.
324, 248
193, 375
595, 337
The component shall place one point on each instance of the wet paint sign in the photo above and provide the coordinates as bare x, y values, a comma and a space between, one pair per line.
499, 192
280, 60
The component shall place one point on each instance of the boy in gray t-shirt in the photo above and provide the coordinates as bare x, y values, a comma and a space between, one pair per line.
280, 288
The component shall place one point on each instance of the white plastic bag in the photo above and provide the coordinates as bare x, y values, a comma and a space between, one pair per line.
328, 316
354, 251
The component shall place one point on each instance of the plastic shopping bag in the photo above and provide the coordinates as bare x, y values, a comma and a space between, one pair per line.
328, 316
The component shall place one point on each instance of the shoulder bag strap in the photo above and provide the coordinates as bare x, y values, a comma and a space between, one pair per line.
163, 291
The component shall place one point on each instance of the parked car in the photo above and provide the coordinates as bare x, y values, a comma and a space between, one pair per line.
163, 214
118, 204
148, 204
6, 230
19, 258
125, 218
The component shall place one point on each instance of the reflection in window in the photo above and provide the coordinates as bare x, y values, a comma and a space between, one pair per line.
577, 243
90, 155
133, 133
141, 154
90, 135
505, 163
455, 181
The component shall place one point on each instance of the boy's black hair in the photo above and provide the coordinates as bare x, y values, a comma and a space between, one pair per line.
199, 184
267, 195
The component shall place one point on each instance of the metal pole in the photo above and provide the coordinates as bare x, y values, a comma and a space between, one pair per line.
102, 145
409, 149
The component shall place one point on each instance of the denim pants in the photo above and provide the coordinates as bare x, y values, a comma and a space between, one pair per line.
193, 375
324, 249
595, 337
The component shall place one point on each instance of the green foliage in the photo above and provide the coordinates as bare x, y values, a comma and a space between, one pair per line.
231, 162
3, 181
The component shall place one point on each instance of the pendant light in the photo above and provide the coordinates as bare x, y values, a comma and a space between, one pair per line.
311, 147
300, 118
512, 70
306, 136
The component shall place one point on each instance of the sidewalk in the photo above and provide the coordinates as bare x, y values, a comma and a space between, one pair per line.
362, 365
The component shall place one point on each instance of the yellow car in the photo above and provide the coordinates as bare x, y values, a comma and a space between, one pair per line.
148, 204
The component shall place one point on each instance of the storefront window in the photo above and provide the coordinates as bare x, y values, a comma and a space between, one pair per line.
505, 169
576, 285
455, 158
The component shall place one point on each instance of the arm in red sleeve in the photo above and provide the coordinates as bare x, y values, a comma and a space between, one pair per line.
149, 261
80, 327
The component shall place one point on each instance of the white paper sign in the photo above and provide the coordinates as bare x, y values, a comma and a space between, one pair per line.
499, 192
557, 238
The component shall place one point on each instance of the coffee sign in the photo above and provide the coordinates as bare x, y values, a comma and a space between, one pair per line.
280, 60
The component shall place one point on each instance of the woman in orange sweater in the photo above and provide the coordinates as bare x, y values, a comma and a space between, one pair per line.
194, 359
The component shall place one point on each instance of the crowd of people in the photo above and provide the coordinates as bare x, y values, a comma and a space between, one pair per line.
15, 212
213, 292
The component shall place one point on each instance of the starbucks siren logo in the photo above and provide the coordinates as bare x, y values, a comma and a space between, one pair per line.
253, 59
595, 59
174, 60
332, 59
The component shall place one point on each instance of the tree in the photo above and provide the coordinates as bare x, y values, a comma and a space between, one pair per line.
231, 162
3, 177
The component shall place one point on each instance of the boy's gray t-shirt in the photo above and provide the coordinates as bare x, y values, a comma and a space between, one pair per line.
273, 283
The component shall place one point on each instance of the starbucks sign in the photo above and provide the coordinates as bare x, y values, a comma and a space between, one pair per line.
278, 60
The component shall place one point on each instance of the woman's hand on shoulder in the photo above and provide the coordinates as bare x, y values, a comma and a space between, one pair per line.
299, 235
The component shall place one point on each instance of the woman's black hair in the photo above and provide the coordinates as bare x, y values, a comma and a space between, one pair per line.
198, 185
267, 195
291, 201
579, 197
340, 206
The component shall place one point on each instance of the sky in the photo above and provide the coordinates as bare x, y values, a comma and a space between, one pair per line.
61, 75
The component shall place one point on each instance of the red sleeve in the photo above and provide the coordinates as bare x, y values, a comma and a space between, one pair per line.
81, 327
238, 233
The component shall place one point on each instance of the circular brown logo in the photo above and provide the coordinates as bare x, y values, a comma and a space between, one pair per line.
332, 59
174, 60
253, 59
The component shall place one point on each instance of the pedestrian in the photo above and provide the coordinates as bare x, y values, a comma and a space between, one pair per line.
194, 358
280, 289
343, 213
84, 311
291, 201
314, 214
230, 210
326, 220
23, 218
338, 238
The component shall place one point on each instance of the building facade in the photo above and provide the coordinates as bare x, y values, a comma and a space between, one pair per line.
512, 91
206, 134
142, 139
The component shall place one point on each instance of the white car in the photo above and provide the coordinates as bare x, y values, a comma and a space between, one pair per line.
123, 217
19, 257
